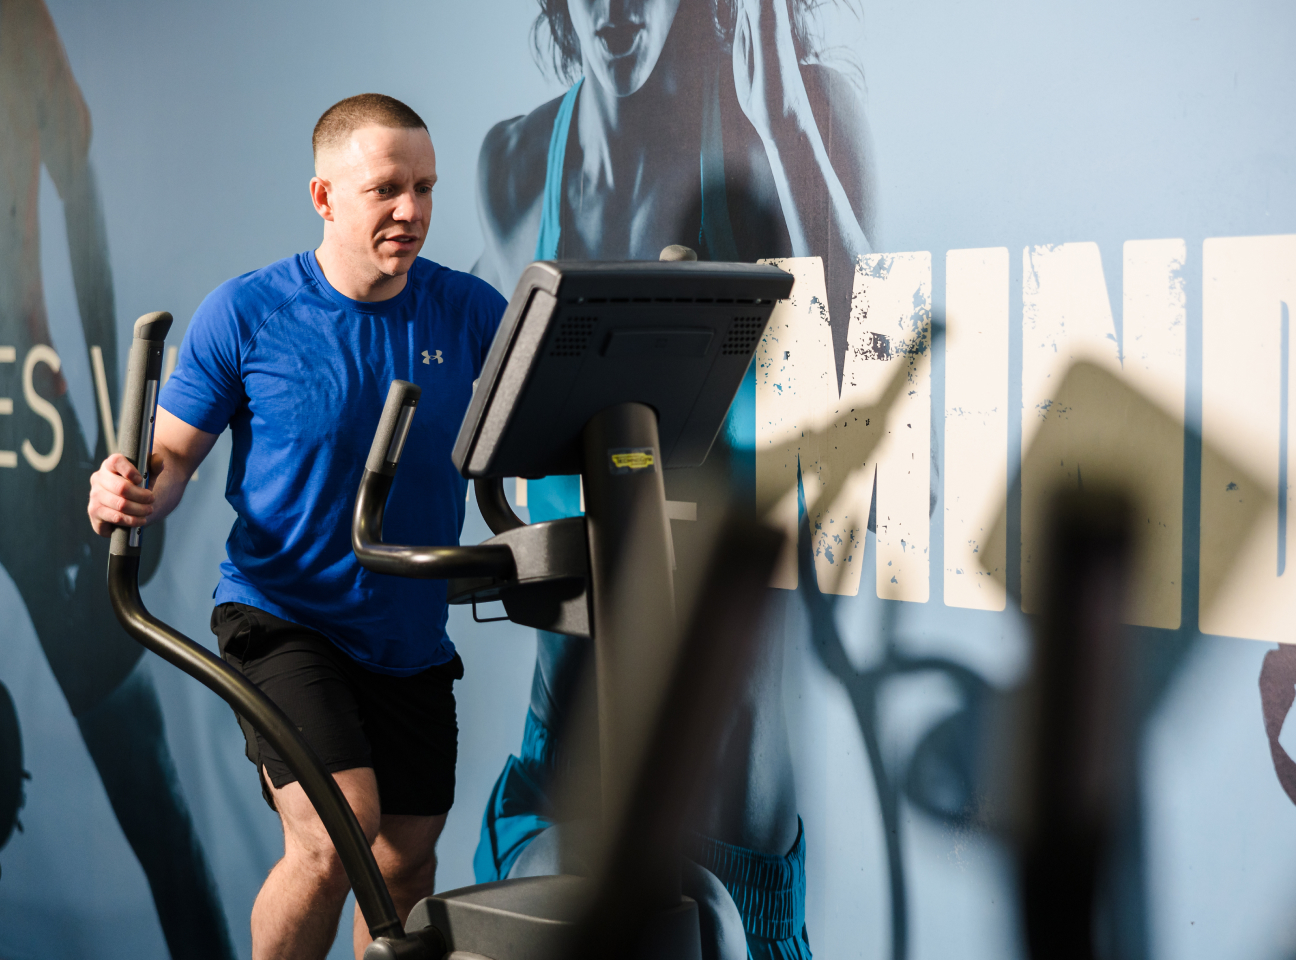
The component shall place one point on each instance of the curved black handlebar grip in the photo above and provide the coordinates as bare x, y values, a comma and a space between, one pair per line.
428, 563
393, 428
271, 722
139, 411
494, 506
433, 562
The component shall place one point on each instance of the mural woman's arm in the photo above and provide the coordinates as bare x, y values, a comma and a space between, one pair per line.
65, 131
510, 181
772, 92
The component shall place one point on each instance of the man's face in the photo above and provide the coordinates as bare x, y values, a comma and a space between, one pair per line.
378, 196
621, 39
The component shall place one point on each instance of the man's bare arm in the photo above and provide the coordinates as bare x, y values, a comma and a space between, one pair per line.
116, 497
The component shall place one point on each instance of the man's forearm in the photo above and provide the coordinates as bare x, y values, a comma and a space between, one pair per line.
168, 489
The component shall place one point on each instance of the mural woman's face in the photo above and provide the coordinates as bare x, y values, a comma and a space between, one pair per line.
622, 39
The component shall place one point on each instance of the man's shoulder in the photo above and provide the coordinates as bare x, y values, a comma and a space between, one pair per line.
242, 304
271, 285
455, 287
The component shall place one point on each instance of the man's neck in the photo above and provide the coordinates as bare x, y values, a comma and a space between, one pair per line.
358, 282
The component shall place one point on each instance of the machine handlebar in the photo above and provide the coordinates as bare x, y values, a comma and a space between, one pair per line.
393, 428
425, 562
139, 411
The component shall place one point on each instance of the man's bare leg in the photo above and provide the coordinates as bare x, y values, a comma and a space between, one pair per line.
296, 914
406, 855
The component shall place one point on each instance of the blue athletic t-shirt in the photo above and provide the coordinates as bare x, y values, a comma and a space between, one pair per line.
300, 374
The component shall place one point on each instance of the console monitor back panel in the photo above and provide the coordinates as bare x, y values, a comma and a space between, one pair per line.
578, 338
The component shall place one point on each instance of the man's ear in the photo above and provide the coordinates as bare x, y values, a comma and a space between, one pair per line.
319, 191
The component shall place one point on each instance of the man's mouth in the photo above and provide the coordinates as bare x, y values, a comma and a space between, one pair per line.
619, 38
402, 239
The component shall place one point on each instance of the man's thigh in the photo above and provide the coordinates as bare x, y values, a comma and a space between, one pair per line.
304, 832
412, 726
403, 728
406, 847
306, 677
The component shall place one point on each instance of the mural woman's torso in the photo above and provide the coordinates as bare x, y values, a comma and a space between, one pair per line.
634, 210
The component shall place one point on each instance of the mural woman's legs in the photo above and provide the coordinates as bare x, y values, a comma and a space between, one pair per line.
58, 566
127, 741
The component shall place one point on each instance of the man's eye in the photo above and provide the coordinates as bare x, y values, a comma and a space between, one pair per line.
385, 191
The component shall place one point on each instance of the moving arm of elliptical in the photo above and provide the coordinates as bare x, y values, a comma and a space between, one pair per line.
540, 570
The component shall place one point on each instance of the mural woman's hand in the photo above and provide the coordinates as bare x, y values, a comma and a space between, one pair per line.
767, 75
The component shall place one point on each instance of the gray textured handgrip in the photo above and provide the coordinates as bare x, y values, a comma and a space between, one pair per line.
139, 408
393, 428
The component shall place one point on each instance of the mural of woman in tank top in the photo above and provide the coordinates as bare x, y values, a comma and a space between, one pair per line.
703, 122
712, 124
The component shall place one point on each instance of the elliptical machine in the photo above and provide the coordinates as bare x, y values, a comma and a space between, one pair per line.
612, 371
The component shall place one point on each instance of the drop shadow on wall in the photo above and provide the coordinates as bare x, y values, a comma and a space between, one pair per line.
959, 770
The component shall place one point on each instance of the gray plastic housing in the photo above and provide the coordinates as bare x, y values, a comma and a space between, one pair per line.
580, 337
537, 918
551, 589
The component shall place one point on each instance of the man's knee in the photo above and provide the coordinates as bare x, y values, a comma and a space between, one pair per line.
406, 851
305, 837
412, 871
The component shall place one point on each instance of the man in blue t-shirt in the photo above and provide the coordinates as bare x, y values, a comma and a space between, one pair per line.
296, 360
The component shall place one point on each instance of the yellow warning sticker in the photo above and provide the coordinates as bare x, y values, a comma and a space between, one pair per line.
627, 460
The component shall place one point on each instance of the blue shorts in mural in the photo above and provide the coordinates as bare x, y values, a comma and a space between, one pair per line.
768, 890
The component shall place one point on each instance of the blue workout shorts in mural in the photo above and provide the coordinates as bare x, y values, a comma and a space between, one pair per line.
768, 890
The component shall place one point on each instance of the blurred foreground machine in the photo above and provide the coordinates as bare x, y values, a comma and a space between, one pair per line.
1076, 762
613, 371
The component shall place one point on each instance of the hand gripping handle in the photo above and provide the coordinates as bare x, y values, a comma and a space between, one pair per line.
139, 411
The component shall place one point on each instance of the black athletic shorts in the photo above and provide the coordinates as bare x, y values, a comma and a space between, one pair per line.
402, 727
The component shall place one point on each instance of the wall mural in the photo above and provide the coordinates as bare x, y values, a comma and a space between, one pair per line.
908, 414
55, 561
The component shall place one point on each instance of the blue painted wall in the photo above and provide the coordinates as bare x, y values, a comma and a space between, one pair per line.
1007, 124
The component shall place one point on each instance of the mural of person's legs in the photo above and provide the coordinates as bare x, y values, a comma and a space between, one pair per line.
127, 741
749, 836
58, 566
12, 774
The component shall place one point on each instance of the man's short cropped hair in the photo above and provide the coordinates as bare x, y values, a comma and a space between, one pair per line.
363, 110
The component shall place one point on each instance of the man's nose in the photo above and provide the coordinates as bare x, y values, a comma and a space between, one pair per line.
407, 208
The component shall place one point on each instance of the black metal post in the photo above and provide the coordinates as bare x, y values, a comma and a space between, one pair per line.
635, 634
1078, 739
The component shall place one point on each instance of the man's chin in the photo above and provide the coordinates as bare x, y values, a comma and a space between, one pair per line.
399, 264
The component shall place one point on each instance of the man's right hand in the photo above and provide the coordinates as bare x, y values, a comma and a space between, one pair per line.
117, 498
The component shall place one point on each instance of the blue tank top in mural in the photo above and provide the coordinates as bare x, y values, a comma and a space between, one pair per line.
555, 497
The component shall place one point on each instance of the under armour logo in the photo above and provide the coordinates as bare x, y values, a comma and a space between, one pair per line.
437, 357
